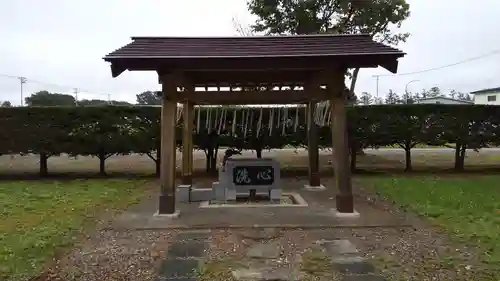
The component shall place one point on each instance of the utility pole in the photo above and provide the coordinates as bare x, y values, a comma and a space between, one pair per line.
23, 81
75, 90
109, 99
377, 78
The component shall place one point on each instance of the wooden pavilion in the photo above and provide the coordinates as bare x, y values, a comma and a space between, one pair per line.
315, 63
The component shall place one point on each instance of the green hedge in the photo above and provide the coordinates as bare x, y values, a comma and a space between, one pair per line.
103, 131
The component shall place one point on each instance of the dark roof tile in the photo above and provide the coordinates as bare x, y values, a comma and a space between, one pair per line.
487, 91
255, 46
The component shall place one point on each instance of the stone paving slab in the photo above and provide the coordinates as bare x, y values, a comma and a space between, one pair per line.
338, 247
266, 274
263, 256
177, 279
355, 267
363, 278
187, 236
270, 250
173, 268
193, 249
184, 257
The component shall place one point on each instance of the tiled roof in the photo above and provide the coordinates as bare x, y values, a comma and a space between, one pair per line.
487, 91
251, 47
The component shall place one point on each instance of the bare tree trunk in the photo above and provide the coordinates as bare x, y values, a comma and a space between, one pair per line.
102, 162
44, 171
259, 152
460, 157
158, 162
354, 79
353, 159
408, 167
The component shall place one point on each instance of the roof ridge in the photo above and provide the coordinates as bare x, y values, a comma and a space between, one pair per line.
251, 37
486, 90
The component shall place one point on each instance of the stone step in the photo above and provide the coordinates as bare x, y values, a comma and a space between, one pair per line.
269, 250
362, 278
266, 274
338, 247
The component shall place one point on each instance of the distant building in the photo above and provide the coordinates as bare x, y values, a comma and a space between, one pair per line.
487, 96
442, 100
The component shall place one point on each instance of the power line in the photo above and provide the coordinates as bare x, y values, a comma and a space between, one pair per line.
26, 80
444, 66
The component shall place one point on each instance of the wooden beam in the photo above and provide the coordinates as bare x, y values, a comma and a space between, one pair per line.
253, 97
248, 78
168, 152
344, 200
261, 63
117, 69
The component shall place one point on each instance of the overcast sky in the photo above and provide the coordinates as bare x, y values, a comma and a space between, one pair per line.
61, 43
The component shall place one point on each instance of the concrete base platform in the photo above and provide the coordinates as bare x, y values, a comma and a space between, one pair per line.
201, 194
353, 215
298, 202
175, 215
314, 188
319, 213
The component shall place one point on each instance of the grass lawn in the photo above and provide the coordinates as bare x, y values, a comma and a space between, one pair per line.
466, 208
40, 217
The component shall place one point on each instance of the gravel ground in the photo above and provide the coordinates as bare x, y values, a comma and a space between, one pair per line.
413, 254
228, 247
113, 255
419, 253
222, 254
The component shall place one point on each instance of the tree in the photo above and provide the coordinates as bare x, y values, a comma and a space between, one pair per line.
6, 104
434, 92
460, 96
92, 102
45, 98
149, 98
392, 98
366, 98
242, 30
416, 96
464, 96
101, 137
379, 18
378, 100
408, 98
405, 129
119, 103
453, 94
146, 136
95, 102
466, 131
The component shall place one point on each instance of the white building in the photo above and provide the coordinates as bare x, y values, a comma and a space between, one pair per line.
442, 100
487, 96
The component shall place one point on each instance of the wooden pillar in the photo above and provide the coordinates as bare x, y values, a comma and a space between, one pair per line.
168, 147
344, 199
187, 143
312, 146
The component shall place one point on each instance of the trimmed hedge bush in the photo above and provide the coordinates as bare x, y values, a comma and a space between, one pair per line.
103, 131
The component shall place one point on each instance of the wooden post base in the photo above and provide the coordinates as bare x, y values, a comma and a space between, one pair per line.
187, 179
314, 179
345, 203
166, 204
